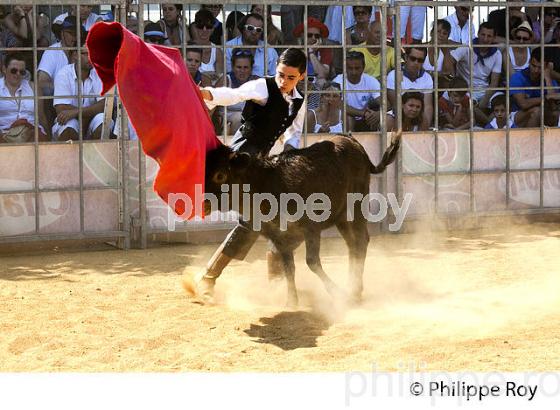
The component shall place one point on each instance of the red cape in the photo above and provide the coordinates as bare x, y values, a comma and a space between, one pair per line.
164, 106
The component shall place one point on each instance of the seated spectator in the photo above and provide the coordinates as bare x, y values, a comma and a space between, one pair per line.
172, 24
68, 109
372, 51
217, 33
417, 16
552, 54
552, 113
201, 31
519, 56
357, 34
462, 29
319, 60
232, 25
454, 113
153, 34
52, 61
87, 19
251, 28
550, 23
529, 101
487, 65
363, 98
193, 58
412, 113
242, 67
431, 64
414, 78
499, 111
328, 117
17, 115
20, 23
273, 34
497, 19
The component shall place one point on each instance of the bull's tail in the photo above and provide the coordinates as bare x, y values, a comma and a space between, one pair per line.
389, 155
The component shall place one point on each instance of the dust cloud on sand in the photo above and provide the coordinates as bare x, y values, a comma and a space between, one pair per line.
467, 300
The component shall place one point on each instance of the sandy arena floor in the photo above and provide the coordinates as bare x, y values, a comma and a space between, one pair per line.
477, 300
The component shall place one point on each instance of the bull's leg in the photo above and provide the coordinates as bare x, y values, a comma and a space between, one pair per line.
356, 236
312, 250
275, 263
290, 271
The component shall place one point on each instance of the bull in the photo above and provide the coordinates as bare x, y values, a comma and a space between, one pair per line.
335, 167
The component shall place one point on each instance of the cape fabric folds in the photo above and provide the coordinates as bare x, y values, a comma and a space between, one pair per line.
164, 106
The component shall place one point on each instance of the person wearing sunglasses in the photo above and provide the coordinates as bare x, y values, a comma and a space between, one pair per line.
251, 27
274, 35
502, 21
273, 107
319, 60
357, 34
550, 23
153, 34
201, 31
217, 33
414, 78
17, 115
462, 29
519, 55
172, 24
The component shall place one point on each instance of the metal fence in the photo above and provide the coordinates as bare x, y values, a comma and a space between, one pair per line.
101, 188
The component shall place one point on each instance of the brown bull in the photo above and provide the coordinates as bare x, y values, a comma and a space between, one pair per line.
335, 167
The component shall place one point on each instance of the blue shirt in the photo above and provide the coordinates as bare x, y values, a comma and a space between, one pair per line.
522, 79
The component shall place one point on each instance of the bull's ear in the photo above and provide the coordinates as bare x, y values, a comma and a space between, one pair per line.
239, 160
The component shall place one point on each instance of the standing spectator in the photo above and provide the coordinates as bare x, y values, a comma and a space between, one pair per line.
327, 118
291, 16
529, 101
67, 105
362, 97
201, 32
333, 20
274, 35
417, 17
319, 60
487, 65
414, 78
17, 115
519, 55
218, 31
357, 34
193, 57
172, 24
372, 51
462, 29
412, 113
242, 67
251, 28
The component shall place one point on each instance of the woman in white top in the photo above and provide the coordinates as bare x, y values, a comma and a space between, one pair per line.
328, 117
172, 24
17, 115
430, 64
201, 31
519, 56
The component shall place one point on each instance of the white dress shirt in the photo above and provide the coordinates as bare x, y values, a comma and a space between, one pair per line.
257, 91
18, 108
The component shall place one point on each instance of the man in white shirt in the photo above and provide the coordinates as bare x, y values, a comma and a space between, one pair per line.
251, 27
362, 94
414, 78
273, 107
87, 18
462, 29
487, 65
67, 106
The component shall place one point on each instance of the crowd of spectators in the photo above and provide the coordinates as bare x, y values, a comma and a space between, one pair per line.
454, 73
